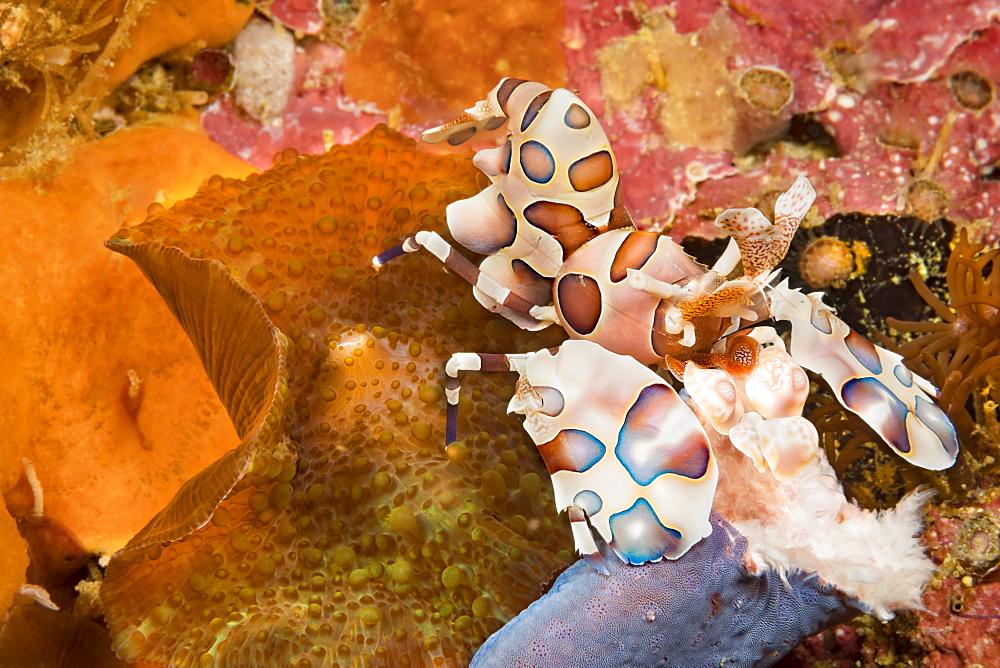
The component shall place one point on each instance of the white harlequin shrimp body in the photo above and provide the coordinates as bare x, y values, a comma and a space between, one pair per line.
595, 301
626, 454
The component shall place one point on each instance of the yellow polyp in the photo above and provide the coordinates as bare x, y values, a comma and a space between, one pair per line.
420, 431
492, 483
315, 493
312, 557
344, 557
281, 495
159, 616
288, 468
402, 520
429, 393
370, 616
197, 581
275, 302
257, 274
240, 543
259, 501
402, 572
482, 607
358, 578
452, 576
265, 567
342, 275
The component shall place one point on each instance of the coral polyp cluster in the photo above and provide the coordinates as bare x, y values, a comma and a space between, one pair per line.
339, 529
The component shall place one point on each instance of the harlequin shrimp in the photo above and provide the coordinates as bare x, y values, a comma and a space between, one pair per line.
636, 465
561, 250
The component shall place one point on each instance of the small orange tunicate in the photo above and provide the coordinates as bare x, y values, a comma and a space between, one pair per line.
826, 262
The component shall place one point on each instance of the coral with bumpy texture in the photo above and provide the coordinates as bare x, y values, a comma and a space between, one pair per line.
704, 609
873, 85
338, 530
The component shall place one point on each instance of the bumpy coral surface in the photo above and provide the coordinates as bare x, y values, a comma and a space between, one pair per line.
340, 529
873, 93
961, 622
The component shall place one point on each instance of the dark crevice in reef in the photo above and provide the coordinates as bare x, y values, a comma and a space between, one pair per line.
805, 133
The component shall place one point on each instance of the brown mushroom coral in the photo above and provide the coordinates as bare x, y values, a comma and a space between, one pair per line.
341, 529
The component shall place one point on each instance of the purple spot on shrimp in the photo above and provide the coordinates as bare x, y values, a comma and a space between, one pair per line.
864, 351
820, 319
589, 501
661, 435
553, 401
880, 408
903, 375
936, 419
638, 536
